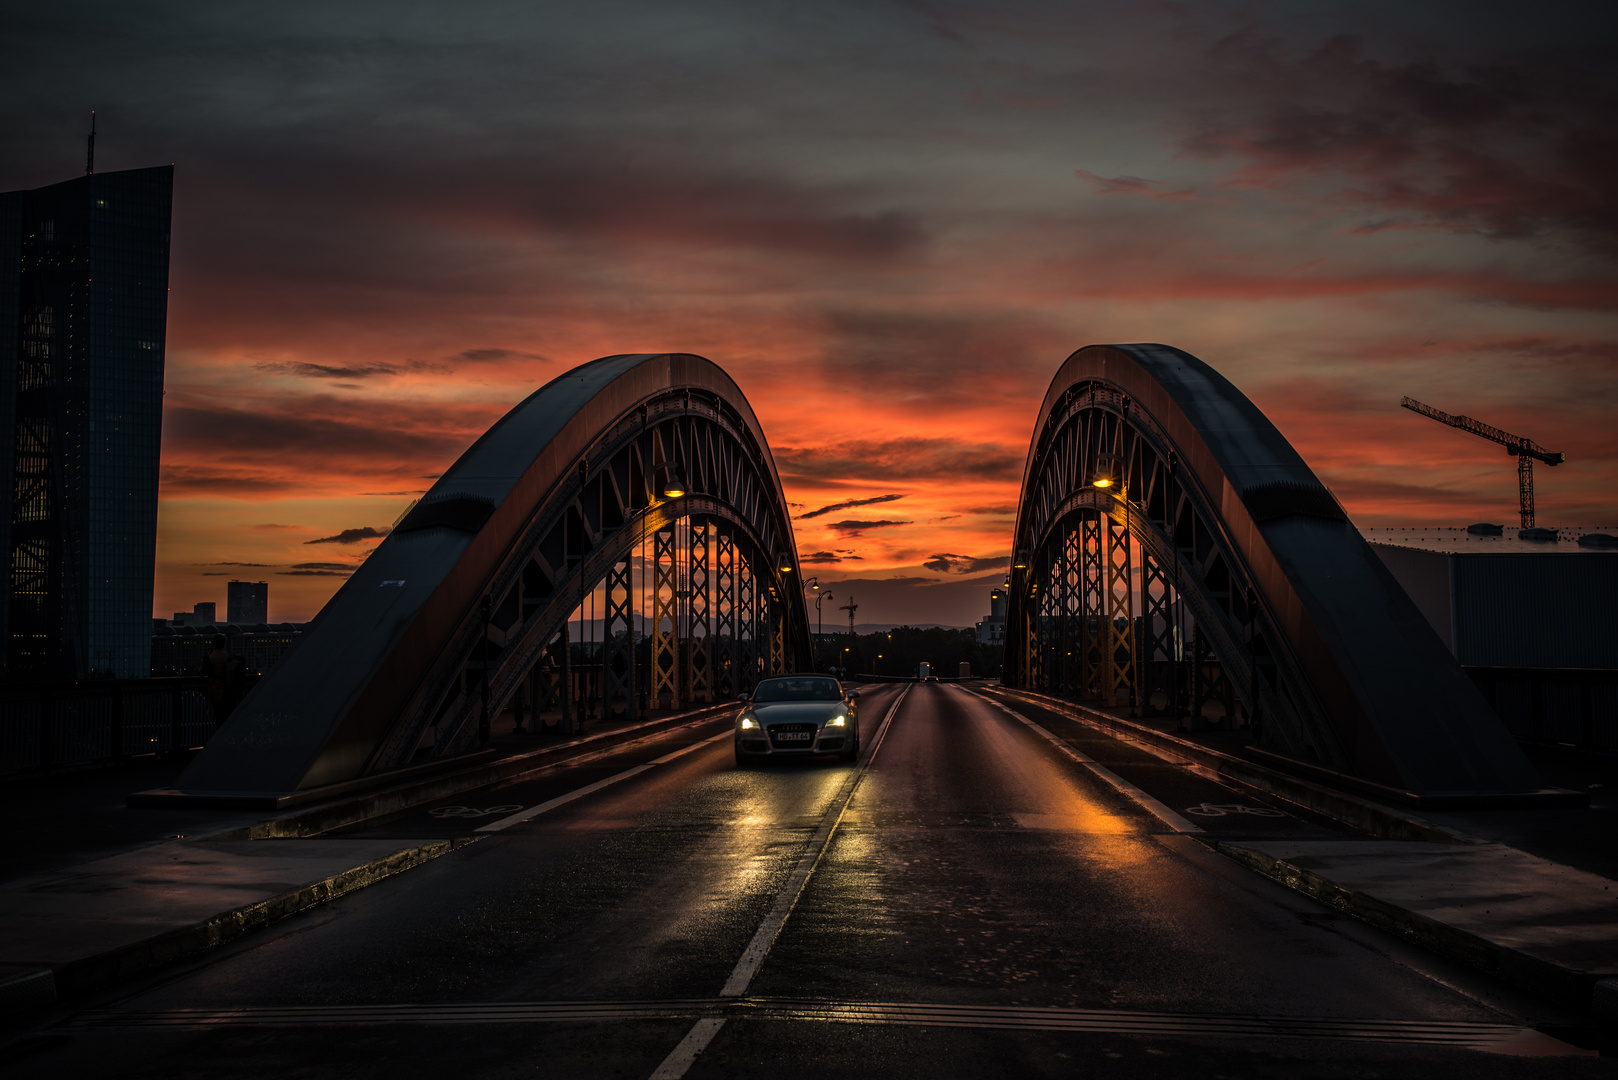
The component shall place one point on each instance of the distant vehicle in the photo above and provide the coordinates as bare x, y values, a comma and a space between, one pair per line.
924, 671
796, 716
930, 678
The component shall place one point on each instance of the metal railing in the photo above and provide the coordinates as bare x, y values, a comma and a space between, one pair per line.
43, 728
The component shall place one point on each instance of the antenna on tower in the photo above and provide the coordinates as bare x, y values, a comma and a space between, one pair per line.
90, 154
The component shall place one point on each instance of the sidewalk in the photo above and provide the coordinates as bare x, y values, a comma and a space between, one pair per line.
1529, 896
96, 892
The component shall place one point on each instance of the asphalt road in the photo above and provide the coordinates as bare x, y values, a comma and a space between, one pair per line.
966, 900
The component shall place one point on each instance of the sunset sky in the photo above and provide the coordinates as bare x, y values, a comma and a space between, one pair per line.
890, 222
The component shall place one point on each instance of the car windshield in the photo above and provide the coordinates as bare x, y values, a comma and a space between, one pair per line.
809, 689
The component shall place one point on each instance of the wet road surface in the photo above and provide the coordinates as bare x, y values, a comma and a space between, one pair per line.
966, 900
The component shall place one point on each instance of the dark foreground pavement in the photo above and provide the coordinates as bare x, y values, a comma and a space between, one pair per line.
967, 900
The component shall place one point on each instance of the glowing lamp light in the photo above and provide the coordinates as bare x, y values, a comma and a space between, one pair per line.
673, 485
1020, 560
1108, 470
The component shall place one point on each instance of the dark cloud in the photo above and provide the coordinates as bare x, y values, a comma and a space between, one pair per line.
178, 479
821, 557
228, 563
964, 564
908, 353
824, 510
319, 569
1509, 148
292, 443
490, 356
328, 371
310, 370
901, 459
856, 528
351, 536
1131, 185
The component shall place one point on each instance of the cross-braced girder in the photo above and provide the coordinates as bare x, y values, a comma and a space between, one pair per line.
1192, 519
635, 496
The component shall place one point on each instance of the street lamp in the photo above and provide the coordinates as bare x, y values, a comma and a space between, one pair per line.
820, 625
878, 665
672, 484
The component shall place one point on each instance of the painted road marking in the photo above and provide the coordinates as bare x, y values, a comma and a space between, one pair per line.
1221, 809
1151, 805
590, 789
467, 811
697, 1039
695, 1042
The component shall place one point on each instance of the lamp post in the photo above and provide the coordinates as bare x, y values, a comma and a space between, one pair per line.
843, 666
877, 667
820, 625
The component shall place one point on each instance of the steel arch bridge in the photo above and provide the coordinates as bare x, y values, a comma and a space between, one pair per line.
1214, 566
635, 492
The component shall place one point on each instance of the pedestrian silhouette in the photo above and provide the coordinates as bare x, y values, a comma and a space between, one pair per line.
226, 677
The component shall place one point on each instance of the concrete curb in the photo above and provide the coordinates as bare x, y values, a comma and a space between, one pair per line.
350, 811
1371, 817
1570, 989
46, 985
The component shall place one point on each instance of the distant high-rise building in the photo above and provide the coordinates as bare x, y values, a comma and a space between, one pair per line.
84, 267
247, 603
203, 613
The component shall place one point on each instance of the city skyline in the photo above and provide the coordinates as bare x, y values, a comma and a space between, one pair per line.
890, 225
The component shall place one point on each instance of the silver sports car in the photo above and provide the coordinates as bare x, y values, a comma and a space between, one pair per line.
794, 715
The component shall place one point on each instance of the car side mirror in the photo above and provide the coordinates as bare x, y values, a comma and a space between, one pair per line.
852, 694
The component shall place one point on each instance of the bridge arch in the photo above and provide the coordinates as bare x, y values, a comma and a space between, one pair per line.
639, 484
1217, 566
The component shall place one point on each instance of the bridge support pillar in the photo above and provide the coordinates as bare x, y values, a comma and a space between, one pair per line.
699, 679
1120, 616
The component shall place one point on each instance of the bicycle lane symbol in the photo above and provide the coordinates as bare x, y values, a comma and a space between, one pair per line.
1222, 809
467, 812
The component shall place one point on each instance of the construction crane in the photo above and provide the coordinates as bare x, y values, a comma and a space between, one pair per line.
1527, 450
851, 607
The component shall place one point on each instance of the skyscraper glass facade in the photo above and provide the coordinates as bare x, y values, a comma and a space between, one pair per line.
83, 311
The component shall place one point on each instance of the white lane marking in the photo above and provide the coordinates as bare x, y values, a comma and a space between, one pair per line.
590, 789
682, 751
561, 800
683, 1056
757, 949
1151, 805
696, 1040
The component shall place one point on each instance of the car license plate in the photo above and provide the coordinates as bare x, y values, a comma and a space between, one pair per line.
795, 736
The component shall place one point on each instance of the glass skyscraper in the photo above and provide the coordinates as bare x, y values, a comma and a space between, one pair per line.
84, 269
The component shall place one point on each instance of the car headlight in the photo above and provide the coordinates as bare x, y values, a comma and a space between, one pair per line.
840, 720
749, 724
